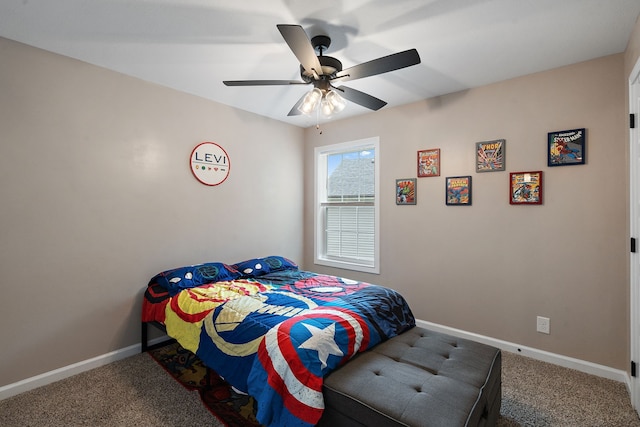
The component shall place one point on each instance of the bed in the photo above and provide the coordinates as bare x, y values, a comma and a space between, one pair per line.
272, 330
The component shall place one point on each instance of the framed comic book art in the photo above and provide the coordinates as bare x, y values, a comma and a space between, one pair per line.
566, 147
490, 155
458, 190
429, 162
525, 188
406, 191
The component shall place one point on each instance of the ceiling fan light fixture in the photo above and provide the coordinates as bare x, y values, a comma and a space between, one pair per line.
326, 108
338, 103
332, 103
310, 101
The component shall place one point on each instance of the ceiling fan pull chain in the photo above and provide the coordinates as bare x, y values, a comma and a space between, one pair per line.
318, 120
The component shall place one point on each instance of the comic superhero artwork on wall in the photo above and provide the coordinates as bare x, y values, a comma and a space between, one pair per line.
566, 147
490, 155
525, 188
458, 191
429, 163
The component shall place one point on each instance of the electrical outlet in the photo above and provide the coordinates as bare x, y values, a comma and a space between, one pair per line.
543, 324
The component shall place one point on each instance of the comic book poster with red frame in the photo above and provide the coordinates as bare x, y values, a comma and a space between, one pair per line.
429, 162
525, 188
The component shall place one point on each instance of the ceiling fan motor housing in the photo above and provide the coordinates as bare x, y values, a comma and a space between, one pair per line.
330, 66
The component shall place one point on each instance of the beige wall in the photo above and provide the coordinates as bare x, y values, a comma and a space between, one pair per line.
492, 268
96, 196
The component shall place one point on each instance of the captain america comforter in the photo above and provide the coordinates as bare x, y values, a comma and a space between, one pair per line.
272, 330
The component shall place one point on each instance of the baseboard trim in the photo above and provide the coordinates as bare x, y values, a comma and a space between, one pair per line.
68, 371
544, 356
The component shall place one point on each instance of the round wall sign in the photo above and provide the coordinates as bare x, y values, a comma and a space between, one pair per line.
210, 163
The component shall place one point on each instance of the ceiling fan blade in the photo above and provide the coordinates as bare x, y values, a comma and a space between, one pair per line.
361, 98
301, 47
295, 111
262, 82
382, 65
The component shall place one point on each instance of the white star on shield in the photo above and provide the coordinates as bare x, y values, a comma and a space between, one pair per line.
323, 341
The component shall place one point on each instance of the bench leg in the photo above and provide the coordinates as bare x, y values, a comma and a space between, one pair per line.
145, 337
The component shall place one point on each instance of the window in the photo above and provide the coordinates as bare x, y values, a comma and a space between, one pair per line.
346, 208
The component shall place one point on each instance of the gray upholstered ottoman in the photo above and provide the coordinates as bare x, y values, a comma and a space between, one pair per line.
419, 378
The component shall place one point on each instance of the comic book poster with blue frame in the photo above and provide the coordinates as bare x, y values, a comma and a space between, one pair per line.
567, 147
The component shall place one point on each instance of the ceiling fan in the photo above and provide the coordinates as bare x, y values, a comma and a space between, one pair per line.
321, 71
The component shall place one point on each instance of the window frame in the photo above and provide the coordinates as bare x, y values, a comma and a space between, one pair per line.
321, 155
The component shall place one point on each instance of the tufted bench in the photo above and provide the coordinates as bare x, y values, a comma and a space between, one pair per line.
418, 378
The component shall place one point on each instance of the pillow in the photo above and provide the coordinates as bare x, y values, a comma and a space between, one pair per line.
195, 275
257, 267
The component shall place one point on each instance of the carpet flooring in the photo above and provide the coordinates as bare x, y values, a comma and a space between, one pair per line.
137, 391
134, 391
541, 394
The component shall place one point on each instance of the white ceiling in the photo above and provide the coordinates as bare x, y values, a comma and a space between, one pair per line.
193, 45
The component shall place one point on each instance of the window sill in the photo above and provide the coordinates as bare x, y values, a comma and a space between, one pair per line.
347, 265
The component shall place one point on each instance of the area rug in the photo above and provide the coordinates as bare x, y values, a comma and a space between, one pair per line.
231, 408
